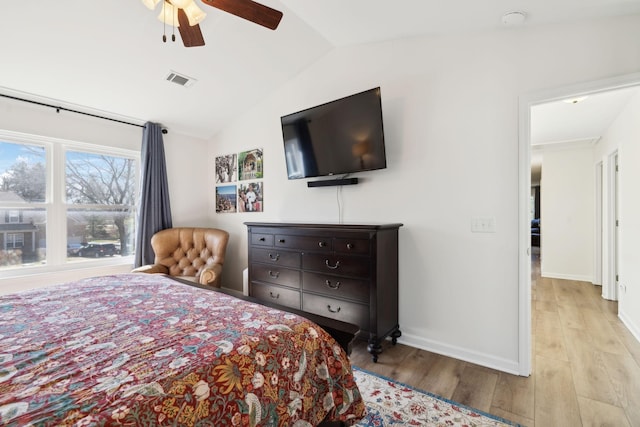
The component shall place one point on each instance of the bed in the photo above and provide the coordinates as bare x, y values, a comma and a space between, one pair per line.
137, 349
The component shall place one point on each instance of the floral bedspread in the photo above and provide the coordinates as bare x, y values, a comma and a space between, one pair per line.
144, 350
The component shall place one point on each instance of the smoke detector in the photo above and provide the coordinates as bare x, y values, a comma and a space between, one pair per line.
513, 18
180, 79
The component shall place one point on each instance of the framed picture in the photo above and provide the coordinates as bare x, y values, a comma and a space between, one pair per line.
250, 165
250, 197
226, 168
226, 199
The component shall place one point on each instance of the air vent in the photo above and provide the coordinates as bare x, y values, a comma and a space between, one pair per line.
180, 79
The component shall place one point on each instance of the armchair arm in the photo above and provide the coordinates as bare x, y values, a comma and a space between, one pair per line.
211, 275
152, 268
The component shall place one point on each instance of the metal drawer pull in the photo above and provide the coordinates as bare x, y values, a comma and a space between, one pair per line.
274, 258
274, 274
331, 285
276, 296
281, 240
332, 310
262, 239
322, 244
333, 267
349, 246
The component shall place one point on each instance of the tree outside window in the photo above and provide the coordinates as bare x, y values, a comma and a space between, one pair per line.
101, 199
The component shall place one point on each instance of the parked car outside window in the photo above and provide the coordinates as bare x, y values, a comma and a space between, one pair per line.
97, 250
73, 248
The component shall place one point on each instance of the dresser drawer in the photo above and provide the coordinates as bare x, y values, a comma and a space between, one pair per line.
351, 246
276, 257
303, 243
336, 286
276, 294
336, 309
261, 239
337, 264
275, 274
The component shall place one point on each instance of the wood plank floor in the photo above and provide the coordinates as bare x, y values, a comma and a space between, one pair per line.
586, 364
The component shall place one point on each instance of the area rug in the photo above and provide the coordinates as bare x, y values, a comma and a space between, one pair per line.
390, 403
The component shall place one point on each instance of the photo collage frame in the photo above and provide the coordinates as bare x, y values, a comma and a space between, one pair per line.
239, 184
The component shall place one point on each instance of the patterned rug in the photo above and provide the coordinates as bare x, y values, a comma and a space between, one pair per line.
390, 403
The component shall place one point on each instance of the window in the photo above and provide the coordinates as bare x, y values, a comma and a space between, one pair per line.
23, 214
100, 200
58, 197
15, 240
13, 217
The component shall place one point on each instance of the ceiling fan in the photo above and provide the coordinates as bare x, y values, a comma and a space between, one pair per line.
186, 15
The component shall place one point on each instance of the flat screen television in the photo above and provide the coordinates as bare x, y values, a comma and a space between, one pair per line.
340, 137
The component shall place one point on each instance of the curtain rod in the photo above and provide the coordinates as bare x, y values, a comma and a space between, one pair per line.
70, 110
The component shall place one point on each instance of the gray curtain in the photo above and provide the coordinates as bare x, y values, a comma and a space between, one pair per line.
155, 209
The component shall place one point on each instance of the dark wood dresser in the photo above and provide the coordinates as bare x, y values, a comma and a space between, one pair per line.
344, 272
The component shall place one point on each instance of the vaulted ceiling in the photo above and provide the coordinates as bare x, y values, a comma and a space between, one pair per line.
108, 56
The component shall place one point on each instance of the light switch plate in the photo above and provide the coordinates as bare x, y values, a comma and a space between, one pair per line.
483, 224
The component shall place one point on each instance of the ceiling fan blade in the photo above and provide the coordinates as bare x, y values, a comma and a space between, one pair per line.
249, 10
191, 35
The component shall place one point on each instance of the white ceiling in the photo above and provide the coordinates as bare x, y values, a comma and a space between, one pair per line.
578, 119
575, 121
108, 56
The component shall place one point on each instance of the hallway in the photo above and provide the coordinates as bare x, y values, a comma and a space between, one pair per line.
586, 364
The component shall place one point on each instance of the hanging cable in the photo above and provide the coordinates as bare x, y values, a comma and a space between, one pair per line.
338, 197
164, 23
173, 22
339, 200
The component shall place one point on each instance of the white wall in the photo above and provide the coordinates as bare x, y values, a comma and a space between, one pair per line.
186, 170
624, 136
568, 215
189, 184
451, 123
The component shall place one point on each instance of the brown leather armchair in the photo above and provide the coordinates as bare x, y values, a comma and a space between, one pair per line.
195, 254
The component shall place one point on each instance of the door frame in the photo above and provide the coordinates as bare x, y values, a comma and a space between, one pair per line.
610, 288
599, 203
526, 102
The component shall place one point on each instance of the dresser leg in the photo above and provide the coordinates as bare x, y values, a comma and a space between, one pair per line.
395, 335
374, 348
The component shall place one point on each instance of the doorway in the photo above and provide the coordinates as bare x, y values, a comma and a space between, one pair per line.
525, 131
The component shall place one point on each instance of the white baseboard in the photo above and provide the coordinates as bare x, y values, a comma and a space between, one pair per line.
634, 329
577, 277
487, 360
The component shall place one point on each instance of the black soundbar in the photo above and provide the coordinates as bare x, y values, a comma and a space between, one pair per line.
331, 182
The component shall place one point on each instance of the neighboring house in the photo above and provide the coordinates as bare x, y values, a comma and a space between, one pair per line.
18, 233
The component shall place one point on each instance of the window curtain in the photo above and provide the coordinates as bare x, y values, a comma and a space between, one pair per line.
155, 209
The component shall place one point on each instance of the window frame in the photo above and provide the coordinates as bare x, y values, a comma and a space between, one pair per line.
11, 238
55, 204
13, 214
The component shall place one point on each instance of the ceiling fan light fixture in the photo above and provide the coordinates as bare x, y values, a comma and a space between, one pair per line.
151, 4
194, 13
186, 16
181, 4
